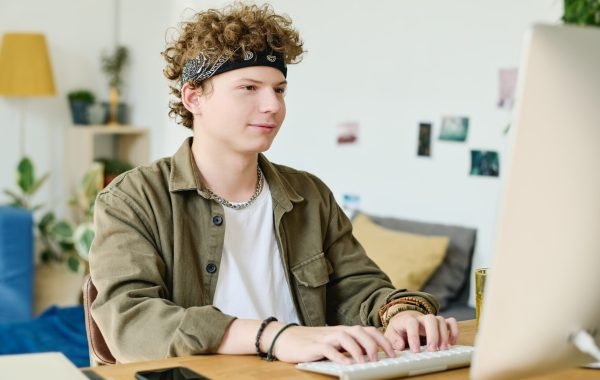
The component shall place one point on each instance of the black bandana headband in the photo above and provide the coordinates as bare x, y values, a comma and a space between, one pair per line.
199, 68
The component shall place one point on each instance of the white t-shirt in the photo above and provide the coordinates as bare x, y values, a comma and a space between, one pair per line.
251, 283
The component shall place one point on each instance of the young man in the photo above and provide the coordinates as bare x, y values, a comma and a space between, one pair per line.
218, 250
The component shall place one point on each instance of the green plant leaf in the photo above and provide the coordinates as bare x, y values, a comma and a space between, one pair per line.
16, 198
84, 235
20, 204
73, 263
113, 64
25, 175
39, 183
62, 232
37, 207
46, 221
81, 96
66, 246
582, 12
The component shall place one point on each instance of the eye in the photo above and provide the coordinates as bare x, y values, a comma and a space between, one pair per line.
249, 87
280, 90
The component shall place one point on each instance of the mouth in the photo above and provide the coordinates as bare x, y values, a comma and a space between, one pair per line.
264, 126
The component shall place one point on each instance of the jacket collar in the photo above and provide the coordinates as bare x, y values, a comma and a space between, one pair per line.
184, 176
282, 192
183, 168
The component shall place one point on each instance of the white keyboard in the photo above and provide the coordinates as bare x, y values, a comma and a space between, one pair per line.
406, 363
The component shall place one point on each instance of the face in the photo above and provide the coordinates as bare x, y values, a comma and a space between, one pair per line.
242, 110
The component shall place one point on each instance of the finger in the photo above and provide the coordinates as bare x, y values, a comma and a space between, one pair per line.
381, 341
395, 338
443, 332
412, 334
430, 324
348, 343
365, 340
453, 327
333, 354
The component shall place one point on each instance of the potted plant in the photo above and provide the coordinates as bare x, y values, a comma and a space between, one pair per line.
113, 65
112, 168
61, 241
582, 12
79, 101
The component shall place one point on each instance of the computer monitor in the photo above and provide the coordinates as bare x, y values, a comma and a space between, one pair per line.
544, 280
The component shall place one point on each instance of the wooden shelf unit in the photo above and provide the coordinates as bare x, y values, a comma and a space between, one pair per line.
86, 144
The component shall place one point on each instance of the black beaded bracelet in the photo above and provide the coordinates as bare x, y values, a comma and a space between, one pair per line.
261, 329
270, 356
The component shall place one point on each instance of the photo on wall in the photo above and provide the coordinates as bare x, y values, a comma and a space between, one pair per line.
347, 132
454, 128
485, 163
424, 148
350, 204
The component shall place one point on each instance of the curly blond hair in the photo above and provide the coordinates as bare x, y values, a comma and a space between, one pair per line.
229, 32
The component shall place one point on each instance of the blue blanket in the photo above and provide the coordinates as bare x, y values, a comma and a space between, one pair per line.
56, 329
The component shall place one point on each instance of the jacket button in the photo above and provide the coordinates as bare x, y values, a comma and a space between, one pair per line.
211, 268
217, 220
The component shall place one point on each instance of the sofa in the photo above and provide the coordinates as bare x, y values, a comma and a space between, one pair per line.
16, 264
449, 278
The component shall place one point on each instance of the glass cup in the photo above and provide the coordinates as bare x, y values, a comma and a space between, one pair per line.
480, 277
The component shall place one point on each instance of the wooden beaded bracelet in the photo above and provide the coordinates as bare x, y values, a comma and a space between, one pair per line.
261, 329
393, 312
418, 303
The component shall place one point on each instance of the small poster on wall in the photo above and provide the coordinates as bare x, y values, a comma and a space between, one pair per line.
350, 204
348, 132
454, 128
485, 163
507, 87
424, 148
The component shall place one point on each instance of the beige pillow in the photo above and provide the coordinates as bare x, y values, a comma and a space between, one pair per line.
408, 259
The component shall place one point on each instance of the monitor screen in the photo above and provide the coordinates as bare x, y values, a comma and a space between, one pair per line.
544, 280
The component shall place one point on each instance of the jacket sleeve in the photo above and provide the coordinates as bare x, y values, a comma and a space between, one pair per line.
357, 287
132, 309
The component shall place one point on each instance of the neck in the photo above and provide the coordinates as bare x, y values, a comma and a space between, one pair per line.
228, 174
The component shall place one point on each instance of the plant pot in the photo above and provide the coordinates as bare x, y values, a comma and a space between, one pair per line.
122, 113
79, 112
97, 114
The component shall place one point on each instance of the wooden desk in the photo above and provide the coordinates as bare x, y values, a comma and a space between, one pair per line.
251, 367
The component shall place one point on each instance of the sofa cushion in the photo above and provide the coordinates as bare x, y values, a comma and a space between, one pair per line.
450, 282
16, 264
408, 259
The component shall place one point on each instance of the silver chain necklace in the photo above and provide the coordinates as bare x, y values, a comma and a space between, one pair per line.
240, 206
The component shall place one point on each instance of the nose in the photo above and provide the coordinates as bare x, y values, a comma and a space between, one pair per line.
271, 101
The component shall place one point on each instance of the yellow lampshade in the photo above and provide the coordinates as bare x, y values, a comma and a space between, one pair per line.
25, 68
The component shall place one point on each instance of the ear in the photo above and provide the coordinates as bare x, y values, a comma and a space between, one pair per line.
190, 97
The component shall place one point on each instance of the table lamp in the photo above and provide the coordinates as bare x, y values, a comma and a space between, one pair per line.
25, 70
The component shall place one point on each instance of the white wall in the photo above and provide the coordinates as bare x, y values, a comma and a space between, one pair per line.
390, 64
387, 64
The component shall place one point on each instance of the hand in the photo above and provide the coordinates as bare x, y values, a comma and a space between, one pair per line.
405, 329
303, 344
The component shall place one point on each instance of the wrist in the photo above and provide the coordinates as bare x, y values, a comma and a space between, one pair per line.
271, 356
412, 302
405, 313
268, 335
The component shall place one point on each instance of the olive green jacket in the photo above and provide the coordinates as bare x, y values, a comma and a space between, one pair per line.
159, 239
